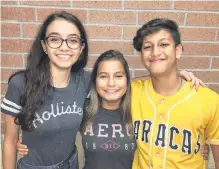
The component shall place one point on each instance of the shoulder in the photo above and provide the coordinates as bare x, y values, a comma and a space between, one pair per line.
82, 73
139, 83
206, 94
17, 80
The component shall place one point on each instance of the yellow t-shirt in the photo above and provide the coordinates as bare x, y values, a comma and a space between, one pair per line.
170, 130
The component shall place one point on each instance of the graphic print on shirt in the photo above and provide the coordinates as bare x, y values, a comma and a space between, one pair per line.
57, 109
186, 146
108, 137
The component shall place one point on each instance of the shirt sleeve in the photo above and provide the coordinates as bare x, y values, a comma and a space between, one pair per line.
212, 130
11, 102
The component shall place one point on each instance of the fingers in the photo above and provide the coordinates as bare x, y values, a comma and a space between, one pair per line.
193, 82
197, 83
21, 148
22, 151
202, 83
20, 138
205, 151
186, 75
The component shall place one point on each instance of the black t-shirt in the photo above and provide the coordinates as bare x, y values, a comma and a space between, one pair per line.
57, 121
107, 144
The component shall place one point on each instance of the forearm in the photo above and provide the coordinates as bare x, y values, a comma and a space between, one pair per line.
215, 152
216, 161
9, 155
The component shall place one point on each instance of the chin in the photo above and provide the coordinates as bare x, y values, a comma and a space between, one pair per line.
157, 72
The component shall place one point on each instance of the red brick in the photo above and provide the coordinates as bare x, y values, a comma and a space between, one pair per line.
194, 34
6, 73
134, 62
4, 87
208, 76
104, 32
217, 38
16, 45
201, 48
115, 17
9, 2
194, 62
97, 4
215, 63
97, 47
91, 61
196, 5
12, 60
10, 29
43, 13
214, 87
17, 13
30, 30
203, 19
129, 32
46, 3
25, 59
148, 4
147, 16
141, 73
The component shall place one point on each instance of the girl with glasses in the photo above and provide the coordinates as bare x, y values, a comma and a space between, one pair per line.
46, 100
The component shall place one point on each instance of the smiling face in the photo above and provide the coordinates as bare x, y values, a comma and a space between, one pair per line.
63, 57
111, 83
159, 53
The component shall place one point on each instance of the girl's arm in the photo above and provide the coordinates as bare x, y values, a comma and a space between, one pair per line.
9, 144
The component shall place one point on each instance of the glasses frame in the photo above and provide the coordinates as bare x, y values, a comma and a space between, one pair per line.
64, 40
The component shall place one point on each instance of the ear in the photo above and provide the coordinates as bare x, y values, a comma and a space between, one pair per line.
82, 47
141, 57
179, 49
43, 46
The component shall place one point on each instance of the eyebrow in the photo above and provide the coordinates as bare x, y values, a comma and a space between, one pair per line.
107, 72
159, 40
55, 33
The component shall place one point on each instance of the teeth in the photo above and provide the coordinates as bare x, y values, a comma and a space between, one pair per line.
111, 91
64, 57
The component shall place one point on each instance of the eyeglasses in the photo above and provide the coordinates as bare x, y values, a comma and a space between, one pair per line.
72, 42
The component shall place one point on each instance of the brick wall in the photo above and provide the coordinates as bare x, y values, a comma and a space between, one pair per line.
112, 25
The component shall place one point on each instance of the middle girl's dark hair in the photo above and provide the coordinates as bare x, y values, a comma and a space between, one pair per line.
37, 74
93, 104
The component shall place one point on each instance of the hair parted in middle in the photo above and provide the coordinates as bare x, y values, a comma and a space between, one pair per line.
93, 104
153, 26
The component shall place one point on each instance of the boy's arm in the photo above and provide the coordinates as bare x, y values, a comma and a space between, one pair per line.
215, 152
9, 144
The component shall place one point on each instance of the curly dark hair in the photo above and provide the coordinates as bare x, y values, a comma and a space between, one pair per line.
156, 25
37, 74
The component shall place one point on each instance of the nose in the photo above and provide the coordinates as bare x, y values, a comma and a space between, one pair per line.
64, 46
156, 51
111, 81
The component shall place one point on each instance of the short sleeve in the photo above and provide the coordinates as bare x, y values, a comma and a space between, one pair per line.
11, 102
212, 130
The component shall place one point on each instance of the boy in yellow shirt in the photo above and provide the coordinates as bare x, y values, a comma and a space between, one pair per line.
171, 120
